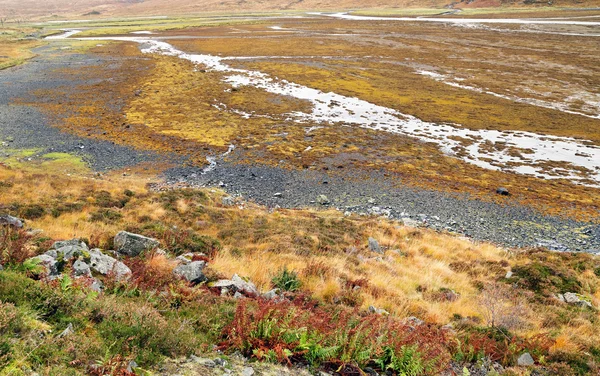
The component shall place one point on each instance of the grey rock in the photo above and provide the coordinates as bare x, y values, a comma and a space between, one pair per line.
575, 299
52, 253
80, 268
97, 286
131, 366
228, 201
191, 272
248, 371
237, 295
9, 220
244, 286
278, 194
220, 362
414, 321
409, 222
561, 297
378, 311
502, 191
374, 246
69, 252
130, 244
1, 267
67, 332
183, 260
323, 200
73, 242
272, 295
236, 284
105, 264
48, 263
509, 274
525, 360
206, 362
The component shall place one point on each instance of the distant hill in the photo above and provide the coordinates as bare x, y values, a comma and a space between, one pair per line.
26, 9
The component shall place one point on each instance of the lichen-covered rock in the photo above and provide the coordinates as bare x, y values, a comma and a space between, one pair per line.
130, 244
576, 299
80, 268
191, 272
73, 243
105, 264
48, 264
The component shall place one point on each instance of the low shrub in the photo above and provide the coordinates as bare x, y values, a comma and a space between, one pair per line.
287, 280
334, 336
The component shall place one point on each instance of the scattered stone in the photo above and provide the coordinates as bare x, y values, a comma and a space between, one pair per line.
323, 200
228, 201
67, 332
220, 362
1, 268
80, 268
272, 295
414, 321
378, 311
278, 194
132, 366
133, 244
97, 286
9, 220
509, 274
502, 191
236, 284
409, 222
237, 295
105, 264
66, 243
48, 263
374, 246
248, 371
576, 299
206, 362
525, 360
191, 272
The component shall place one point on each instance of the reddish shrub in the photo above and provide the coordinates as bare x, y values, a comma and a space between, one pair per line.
15, 245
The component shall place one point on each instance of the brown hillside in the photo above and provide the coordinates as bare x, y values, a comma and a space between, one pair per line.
27, 9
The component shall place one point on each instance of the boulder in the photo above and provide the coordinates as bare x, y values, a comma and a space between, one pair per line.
9, 220
576, 299
73, 242
80, 268
236, 284
525, 360
502, 191
130, 244
374, 246
105, 264
191, 272
69, 252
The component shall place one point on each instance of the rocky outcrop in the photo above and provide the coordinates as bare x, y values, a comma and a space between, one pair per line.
574, 299
130, 244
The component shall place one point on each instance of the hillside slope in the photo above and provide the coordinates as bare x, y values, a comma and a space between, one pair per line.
30, 8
